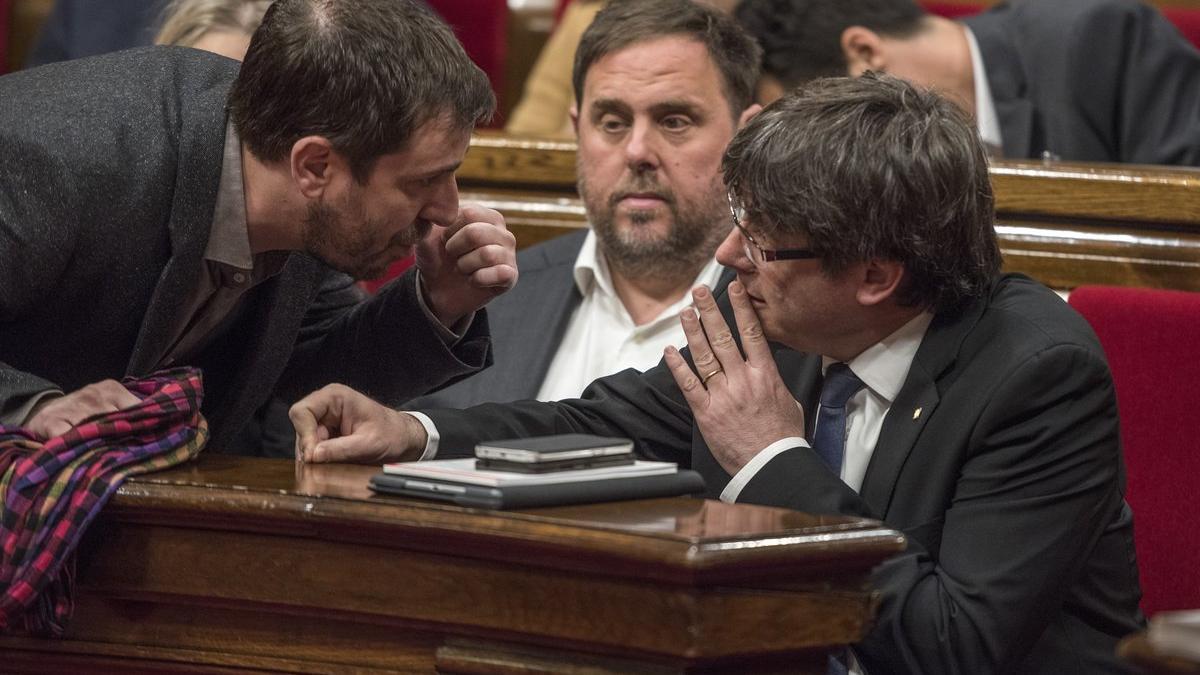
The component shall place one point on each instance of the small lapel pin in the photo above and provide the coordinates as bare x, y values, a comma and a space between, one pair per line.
917, 413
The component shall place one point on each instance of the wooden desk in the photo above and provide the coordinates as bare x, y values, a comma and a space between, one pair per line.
235, 564
1065, 224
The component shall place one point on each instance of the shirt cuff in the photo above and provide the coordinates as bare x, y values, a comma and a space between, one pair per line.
743, 477
450, 335
431, 445
17, 417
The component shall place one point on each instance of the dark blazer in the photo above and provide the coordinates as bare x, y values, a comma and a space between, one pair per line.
527, 325
1000, 460
1091, 80
109, 169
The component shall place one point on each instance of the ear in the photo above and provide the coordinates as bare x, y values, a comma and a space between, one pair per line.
314, 165
748, 114
878, 281
864, 50
573, 113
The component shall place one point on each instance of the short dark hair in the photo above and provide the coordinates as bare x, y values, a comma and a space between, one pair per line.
801, 39
623, 23
873, 168
364, 74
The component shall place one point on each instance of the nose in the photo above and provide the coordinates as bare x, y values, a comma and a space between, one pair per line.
732, 252
641, 147
441, 204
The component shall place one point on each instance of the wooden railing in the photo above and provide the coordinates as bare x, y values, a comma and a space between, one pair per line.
1065, 224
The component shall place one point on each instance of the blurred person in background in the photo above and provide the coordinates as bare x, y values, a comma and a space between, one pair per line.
220, 26
1080, 80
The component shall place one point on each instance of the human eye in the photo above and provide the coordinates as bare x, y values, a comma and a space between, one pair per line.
431, 181
676, 122
612, 124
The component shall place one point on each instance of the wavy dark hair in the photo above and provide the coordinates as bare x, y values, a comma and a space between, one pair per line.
364, 74
873, 168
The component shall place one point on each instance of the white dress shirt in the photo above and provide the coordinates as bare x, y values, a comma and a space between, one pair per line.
601, 337
883, 367
985, 107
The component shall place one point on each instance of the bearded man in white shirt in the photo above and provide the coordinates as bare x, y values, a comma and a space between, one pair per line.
660, 90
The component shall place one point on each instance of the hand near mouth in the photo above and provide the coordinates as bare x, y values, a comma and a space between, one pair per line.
467, 263
740, 403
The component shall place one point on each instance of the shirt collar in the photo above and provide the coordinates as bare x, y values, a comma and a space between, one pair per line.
591, 273
884, 366
229, 239
591, 270
985, 106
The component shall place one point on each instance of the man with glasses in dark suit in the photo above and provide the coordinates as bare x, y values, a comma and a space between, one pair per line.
871, 360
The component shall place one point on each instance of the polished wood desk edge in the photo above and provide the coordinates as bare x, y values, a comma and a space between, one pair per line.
570, 537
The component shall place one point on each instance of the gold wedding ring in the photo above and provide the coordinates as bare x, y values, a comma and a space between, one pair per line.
704, 378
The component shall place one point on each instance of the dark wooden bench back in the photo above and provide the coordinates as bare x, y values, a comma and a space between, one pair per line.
1067, 224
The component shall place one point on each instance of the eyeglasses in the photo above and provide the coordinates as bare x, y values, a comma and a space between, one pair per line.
755, 252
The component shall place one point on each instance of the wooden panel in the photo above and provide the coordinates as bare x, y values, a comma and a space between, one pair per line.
1067, 224
265, 565
1136, 649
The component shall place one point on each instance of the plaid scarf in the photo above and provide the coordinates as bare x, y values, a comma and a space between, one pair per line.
51, 491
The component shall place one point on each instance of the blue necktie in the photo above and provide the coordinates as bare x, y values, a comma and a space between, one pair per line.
829, 438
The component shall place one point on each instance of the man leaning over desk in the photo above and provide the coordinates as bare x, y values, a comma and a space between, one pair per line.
906, 380
158, 208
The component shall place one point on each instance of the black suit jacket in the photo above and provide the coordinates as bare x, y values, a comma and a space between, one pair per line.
527, 325
109, 169
999, 460
1091, 80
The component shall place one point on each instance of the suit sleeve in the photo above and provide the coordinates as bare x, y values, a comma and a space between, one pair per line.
1038, 484
1140, 86
384, 346
646, 407
36, 244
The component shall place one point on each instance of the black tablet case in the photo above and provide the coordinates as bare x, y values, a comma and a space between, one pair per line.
682, 482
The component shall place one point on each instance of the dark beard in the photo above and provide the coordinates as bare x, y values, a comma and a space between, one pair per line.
326, 238
695, 232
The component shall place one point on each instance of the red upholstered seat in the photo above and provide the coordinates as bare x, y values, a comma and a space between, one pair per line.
952, 10
482, 27
1186, 20
1152, 340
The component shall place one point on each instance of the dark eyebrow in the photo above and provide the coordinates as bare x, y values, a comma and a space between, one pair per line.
603, 106
676, 107
447, 168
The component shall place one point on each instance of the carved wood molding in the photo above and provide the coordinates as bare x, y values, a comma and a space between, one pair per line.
1066, 224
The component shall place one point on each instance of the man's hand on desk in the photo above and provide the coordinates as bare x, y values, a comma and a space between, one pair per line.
468, 263
338, 424
55, 416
